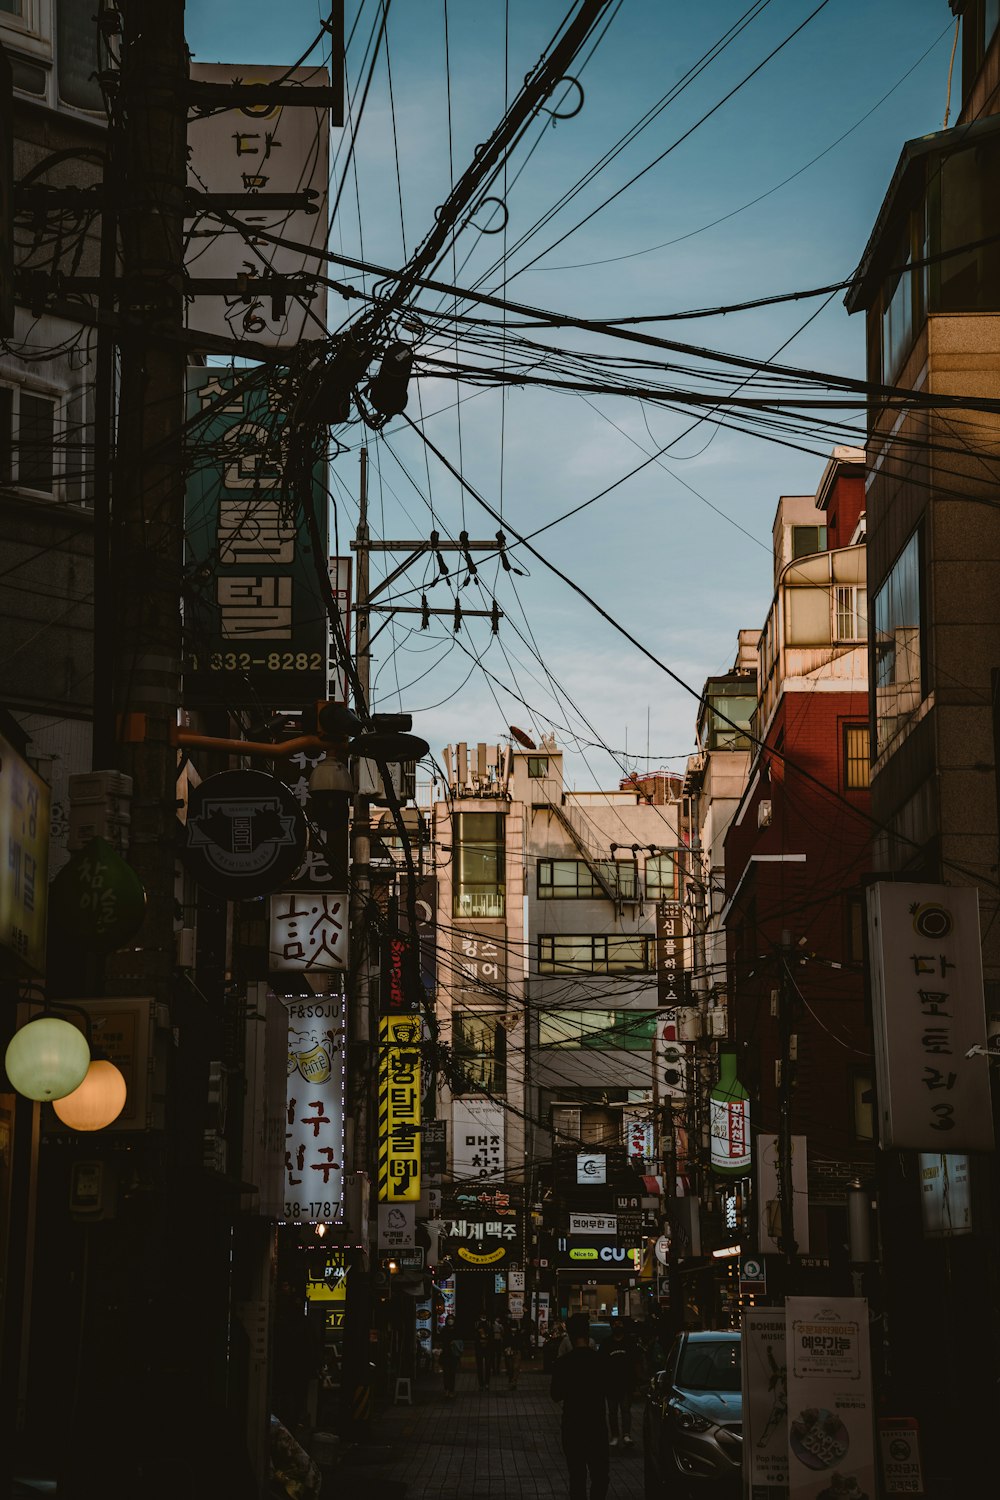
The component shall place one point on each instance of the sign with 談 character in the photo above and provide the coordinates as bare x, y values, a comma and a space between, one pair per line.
24, 864
309, 932
399, 1109
479, 961
477, 1130
257, 150
314, 1110
255, 616
928, 1016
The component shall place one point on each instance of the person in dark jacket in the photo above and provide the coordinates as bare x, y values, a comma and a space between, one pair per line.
482, 1348
451, 1354
621, 1368
578, 1381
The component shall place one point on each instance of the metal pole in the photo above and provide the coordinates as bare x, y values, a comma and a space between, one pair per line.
361, 1028
786, 1192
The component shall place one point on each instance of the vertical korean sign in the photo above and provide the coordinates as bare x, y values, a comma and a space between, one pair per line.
24, 864
258, 151
669, 1062
928, 1012
830, 1411
399, 1108
255, 621
314, 1101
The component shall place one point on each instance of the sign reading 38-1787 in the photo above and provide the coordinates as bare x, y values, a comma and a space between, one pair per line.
255, 619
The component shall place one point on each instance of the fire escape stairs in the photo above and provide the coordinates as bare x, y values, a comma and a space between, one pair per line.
593, 865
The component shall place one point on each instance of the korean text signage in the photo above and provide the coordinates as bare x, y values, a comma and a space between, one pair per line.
308, 932
729, 1121
255, 618
397, 1226
899, 1447
24, 863
928, 1012
593, 1224
670, 978
244, 835
830, 1408
258, 150
479, 961
483, 1227
314, 1119
434, 1136
477, 1130
399, 1109
765, 1417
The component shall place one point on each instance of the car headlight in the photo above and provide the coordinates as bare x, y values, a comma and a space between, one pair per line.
689, 1421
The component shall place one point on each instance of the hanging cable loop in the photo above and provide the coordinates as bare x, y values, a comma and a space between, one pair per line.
483, 229
570, 113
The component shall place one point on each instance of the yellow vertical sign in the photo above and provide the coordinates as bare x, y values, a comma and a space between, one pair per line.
399, 1109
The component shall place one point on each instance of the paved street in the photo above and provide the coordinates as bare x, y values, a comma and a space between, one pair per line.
502, 1445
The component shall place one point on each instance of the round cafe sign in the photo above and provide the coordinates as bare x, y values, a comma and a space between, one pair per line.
245, 834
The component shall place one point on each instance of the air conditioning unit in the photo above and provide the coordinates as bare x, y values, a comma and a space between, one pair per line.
764, 813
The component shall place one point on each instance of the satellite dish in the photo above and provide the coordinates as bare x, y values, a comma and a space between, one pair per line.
522, 738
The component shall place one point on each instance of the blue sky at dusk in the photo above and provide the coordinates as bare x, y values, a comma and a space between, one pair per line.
681, 553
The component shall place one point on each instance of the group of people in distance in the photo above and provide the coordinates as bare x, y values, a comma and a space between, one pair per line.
497, 1346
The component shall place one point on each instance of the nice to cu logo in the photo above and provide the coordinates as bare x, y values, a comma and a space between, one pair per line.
605, 1252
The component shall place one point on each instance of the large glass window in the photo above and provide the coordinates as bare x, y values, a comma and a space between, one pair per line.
729, 714
572, 879
480, 887
899, 648
659, 878
630, 1030
592, 953
479, 1045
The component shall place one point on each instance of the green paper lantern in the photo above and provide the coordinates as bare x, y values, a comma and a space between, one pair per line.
96, 900
47, 1059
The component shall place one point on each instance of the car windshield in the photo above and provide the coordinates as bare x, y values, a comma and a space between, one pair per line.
710, 1365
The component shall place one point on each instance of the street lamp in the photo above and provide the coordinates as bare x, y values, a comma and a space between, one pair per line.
97, 1102
47, 1059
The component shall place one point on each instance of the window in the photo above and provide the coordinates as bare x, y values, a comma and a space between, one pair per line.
479, 1044
729, 705
857, 772
659, 878
808, 539
538, 766
27, 439
592, 953
572, 879
631, 1030
850, 613
899, 669
480, 886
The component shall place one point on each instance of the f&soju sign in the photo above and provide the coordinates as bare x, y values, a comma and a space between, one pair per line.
255, 619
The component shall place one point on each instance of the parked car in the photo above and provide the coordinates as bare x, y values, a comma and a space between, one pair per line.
692, 1424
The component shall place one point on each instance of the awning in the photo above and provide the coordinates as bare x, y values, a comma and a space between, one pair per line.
653, 1186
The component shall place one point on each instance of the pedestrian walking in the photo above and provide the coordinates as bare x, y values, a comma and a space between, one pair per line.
578, 1382
513, 1350
482, 1348
621, 1371
497, 1346
451, 1353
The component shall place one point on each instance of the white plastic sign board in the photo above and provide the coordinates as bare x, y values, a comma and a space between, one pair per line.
765, 1415
593, 1224
830, 1406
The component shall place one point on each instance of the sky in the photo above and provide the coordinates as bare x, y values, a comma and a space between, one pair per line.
774, 191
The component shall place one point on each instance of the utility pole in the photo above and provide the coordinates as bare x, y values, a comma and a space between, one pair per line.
150, 1342
361, 1028
786, 1087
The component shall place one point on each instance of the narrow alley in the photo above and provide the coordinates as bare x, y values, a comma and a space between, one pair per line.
498, 1445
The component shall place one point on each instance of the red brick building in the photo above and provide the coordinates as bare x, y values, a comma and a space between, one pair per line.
797, 852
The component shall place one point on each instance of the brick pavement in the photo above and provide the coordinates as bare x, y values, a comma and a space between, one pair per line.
498, 1445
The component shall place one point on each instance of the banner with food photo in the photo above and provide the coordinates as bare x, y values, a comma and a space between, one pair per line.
831, 1451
